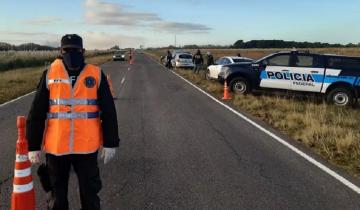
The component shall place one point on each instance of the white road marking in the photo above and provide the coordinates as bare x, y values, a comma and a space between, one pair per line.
274, 136
18, 98
129, 69
123, 80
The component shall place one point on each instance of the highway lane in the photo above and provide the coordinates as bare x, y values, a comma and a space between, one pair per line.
181, 150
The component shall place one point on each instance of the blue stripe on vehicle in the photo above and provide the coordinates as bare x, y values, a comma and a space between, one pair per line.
333, 79
318, 77
263, 75
358, 82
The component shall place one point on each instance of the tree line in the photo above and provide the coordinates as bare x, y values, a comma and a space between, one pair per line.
286, 44
263, 44
25, 47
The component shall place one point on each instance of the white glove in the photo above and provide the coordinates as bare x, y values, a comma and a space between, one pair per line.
107, 154
34, 156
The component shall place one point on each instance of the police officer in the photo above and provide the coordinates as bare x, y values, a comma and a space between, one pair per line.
210, 59
75, 101
168, 60
198, 62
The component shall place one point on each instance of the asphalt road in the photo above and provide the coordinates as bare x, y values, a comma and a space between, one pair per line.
179, 149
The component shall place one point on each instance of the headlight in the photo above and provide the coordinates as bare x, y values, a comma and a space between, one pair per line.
114, 56
122, 56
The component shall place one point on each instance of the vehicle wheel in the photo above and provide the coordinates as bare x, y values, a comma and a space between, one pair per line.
340, 97
240, 85
207, 74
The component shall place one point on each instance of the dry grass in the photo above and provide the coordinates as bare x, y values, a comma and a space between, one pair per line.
330, 131
15, 83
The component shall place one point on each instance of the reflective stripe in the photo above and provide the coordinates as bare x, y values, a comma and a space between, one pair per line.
22, 173
23, 188
74, 115
21, 158
73, 102
59, 80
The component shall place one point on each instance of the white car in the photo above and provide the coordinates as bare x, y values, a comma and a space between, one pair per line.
214, 70
182, 60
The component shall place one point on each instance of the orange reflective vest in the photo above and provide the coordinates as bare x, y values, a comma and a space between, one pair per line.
73, 121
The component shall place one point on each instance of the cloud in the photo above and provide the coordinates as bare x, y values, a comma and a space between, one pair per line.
104, 13
181, 27
20, 37
42, 21
101, 40
20, 33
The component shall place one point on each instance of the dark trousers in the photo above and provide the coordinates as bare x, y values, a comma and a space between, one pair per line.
197, 68
87, 171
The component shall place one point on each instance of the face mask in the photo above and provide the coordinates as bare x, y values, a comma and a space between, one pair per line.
73, 60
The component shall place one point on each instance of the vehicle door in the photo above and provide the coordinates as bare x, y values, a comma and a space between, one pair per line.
275, 70
307, 72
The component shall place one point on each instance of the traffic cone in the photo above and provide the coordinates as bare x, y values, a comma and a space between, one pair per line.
110, 85
226, 92
132, 59
23, 196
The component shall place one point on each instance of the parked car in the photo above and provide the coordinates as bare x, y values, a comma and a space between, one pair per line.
214, 70
178, 51
336, 77
120, 55
182, 60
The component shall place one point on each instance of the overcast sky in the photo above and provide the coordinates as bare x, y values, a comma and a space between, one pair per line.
129, 23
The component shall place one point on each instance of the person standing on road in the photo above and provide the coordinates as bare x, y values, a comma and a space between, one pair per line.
198, 62
168, 60
210, 59
75, 101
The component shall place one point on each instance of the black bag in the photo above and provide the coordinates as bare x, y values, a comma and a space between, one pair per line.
44, 177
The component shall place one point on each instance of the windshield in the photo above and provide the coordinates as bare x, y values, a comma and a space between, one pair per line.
185, 56
263, 58
238, 60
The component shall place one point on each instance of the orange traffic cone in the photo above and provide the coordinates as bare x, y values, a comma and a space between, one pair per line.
110, 85
226, 92
23, 196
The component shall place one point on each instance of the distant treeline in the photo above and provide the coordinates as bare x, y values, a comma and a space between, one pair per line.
285, 44
265, 44
24, 47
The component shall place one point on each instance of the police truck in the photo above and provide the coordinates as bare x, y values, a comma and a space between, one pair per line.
335, 76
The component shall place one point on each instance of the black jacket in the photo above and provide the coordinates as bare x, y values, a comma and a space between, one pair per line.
210, 60
198, 59
35, 125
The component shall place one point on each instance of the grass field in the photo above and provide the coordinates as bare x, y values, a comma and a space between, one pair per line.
24, 59
17, 82
330, 131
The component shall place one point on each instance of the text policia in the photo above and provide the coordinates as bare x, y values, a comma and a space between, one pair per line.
297, 78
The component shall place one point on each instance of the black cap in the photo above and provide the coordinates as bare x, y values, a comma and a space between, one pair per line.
71, 41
